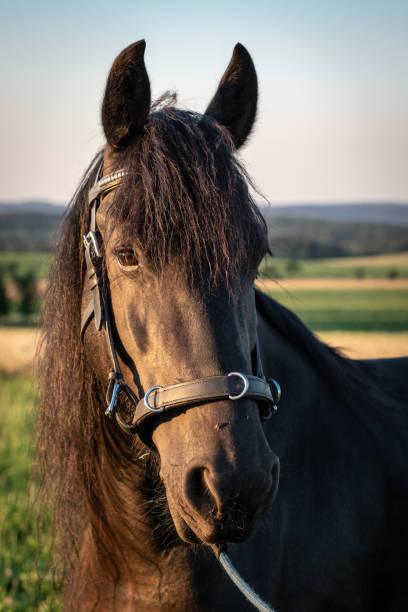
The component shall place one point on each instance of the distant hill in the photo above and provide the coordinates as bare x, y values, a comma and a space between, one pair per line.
308, 231
28, 231
29, 226
31, 207
317, 238
381, 213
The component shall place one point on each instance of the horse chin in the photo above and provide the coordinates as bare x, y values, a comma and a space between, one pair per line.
210, 533
184, 532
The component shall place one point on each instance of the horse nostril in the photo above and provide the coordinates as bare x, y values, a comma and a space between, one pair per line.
197, 491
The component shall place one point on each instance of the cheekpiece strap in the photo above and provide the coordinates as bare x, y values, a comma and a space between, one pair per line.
93, 247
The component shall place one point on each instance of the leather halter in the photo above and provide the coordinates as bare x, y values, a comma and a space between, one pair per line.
233, 386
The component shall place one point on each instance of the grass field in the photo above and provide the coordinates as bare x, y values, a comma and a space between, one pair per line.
345, 309
24, 262
17, 348
367, 345
377, 266
25, 583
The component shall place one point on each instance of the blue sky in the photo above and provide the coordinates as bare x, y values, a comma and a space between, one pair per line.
332, 122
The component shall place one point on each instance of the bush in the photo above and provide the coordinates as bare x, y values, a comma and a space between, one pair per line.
4, 299
26, 284
360, 273
392, 273
293, 266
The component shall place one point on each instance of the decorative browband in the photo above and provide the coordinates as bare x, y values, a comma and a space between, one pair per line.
106, 184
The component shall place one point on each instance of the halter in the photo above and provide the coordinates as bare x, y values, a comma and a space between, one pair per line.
157, 399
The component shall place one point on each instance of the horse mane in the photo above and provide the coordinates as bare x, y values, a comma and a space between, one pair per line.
67, 426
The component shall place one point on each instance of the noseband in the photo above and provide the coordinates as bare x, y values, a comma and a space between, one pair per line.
157, 399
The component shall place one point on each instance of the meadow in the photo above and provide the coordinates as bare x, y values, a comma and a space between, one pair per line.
349, 310
364, 313
394, 265
24, 262
25, 579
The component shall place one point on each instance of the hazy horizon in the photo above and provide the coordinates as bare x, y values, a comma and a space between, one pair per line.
260, 203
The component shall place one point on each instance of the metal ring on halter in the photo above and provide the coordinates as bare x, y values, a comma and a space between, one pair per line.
146, 399
277, 387
91, 238
278, 392
246, 385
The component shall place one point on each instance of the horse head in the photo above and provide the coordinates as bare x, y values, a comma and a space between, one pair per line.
182, 241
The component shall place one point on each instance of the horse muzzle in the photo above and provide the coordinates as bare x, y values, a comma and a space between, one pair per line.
225, 482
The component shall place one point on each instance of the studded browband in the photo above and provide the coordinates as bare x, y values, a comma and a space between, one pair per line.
157, 399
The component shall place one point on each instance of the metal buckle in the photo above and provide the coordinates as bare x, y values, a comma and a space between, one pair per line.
90, 238
146, 399
246, 385
272, 381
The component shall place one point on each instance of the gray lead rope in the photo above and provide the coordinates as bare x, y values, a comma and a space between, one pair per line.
243, 586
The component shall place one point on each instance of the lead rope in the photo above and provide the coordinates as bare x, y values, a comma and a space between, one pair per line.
242, 585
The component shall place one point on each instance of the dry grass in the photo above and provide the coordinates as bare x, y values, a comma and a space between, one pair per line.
17, 346
17, 349
388, 259
345, 284
368, 345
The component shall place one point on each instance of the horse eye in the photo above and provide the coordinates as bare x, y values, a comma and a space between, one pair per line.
127, 258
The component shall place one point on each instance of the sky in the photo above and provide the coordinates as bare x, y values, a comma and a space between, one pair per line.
332, 120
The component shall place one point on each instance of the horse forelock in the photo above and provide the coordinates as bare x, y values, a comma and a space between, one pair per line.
186, 200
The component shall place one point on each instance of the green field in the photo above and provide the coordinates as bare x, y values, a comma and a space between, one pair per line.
39, 263
25, 583
377, 266
357, 310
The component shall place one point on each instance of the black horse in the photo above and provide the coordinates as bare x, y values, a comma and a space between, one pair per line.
143, 493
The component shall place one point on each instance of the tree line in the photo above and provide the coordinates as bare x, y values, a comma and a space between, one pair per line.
292, 237
18, 292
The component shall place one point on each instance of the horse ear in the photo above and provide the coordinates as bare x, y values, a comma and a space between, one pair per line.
126, 103
235, 101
